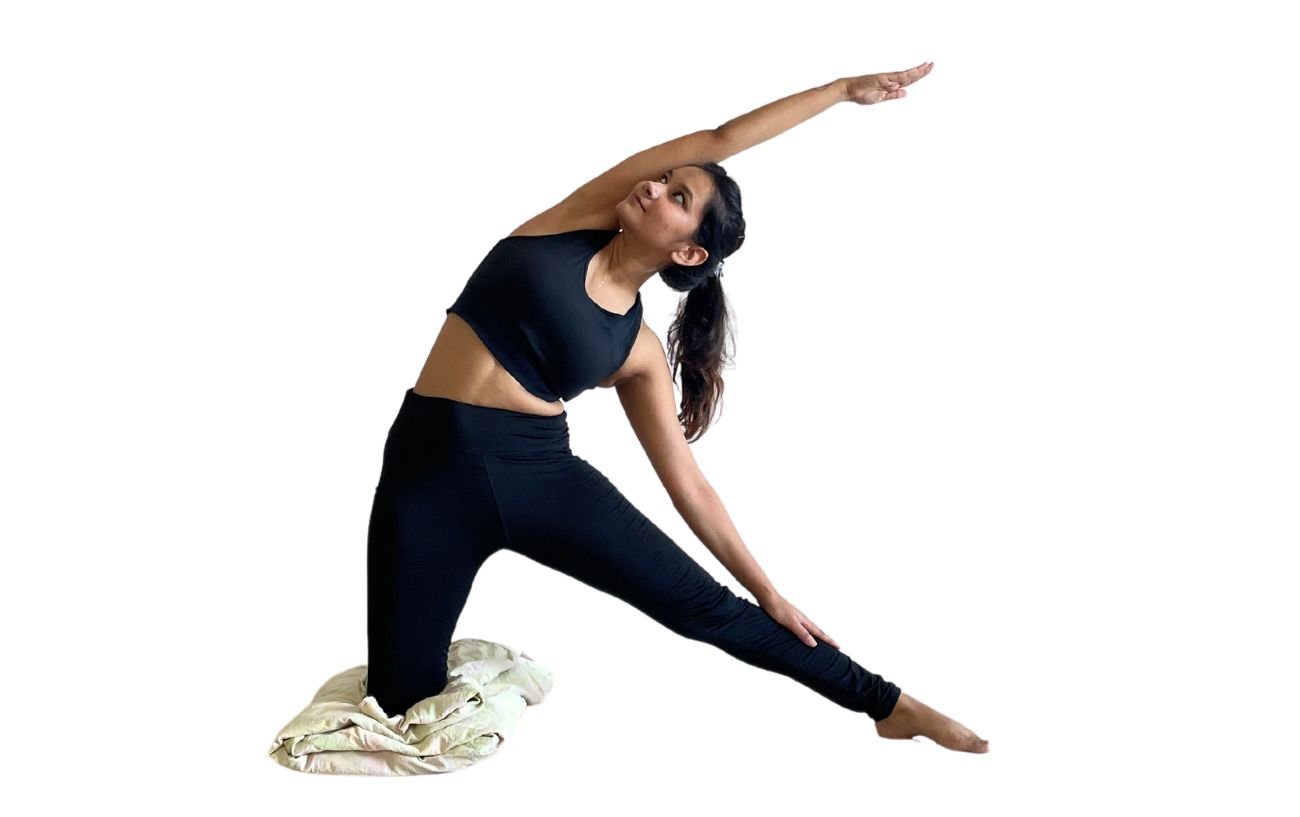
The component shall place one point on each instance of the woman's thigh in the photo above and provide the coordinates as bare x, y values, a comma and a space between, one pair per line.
431, 528
429, 533
569, 516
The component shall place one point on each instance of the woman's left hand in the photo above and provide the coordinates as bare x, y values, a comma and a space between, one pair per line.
795, 621
869, 89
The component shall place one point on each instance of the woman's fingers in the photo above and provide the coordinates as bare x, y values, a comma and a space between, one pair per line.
822, 634
807, 637
910, 75
802, 626
797, 626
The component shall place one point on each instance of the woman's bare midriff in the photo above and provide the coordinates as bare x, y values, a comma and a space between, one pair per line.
461, 368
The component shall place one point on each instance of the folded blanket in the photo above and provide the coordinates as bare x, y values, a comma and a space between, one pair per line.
345, 731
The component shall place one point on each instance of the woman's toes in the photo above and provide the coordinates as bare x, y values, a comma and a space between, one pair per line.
977, 744
962, 739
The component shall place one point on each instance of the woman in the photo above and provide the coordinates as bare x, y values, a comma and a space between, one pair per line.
478, 458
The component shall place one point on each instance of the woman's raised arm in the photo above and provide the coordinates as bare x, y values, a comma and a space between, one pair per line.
777, 117
601, 194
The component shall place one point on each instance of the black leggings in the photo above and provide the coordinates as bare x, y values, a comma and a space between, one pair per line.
459, 482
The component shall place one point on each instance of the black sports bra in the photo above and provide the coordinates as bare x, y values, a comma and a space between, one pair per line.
527, 301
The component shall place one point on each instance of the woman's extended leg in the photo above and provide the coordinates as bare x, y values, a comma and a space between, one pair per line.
567, 515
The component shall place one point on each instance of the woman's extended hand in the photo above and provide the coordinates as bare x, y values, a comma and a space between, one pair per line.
872, 88
795, 621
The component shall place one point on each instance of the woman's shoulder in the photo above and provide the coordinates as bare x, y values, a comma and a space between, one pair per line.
563, 219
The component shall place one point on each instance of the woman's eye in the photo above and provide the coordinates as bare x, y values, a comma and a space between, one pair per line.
664, 179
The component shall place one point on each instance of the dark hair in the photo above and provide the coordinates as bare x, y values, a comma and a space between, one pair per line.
697, 336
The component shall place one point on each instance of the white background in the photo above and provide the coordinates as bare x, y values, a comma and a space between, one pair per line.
1012, 414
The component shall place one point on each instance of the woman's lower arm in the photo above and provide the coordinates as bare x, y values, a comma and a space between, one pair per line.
777, 117
708, 519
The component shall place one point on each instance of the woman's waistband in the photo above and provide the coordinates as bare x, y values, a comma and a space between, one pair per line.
483, 429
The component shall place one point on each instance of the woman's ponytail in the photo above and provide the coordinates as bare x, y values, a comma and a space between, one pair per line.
697, 338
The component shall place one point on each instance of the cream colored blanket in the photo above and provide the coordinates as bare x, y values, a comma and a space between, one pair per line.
344, 731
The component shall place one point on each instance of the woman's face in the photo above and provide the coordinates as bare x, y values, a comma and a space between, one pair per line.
667, 211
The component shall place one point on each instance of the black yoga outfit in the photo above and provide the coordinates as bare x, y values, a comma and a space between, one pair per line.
460, 482
528, 303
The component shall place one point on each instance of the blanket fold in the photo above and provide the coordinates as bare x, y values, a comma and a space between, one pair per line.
345, 731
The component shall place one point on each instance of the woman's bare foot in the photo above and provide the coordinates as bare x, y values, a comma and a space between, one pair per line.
911, 718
